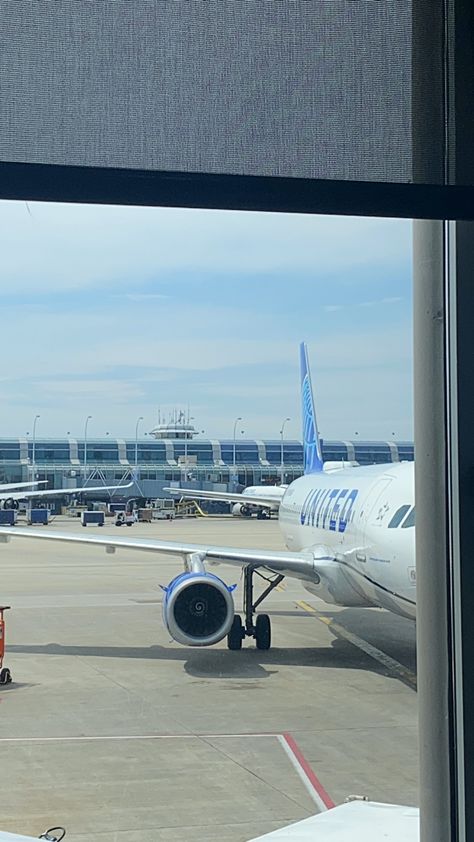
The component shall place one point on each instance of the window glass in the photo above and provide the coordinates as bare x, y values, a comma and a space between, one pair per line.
410, 520
398, 517
157, 348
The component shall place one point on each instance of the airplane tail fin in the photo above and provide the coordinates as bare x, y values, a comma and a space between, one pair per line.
313, 460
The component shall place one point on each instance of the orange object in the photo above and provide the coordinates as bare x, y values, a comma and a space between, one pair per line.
5, 676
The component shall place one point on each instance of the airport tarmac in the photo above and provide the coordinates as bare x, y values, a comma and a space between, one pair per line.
112, 729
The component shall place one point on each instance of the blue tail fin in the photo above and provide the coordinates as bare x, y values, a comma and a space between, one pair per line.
313, 461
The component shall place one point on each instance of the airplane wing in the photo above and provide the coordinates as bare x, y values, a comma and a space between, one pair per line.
297, 564
355, 821
6, 486
196, 620
227, 497
50, 492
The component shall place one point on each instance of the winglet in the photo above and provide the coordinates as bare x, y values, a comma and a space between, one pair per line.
313, 460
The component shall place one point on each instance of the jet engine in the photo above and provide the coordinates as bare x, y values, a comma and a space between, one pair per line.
11, 503
241, 510
198, 609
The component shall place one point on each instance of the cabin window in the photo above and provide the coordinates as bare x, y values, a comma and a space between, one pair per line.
410, 520
398, 517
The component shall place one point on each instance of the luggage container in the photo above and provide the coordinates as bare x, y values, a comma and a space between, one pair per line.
8, 517
145, 515
93, 518
40, 516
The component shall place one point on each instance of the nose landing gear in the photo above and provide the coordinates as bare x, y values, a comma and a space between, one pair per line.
260, 630
5, 675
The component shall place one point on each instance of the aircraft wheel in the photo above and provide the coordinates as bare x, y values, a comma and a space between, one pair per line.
263, 631
5, 676
236, 634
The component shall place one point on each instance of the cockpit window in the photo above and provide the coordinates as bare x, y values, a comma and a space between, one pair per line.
398, 517
410, 520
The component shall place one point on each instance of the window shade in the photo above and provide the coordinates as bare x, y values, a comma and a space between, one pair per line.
316, 89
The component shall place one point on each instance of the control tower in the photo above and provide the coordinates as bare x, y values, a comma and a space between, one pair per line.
178, 426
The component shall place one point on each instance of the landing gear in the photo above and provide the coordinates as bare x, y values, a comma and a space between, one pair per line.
5, 676
263, 632
261, 629
236, 634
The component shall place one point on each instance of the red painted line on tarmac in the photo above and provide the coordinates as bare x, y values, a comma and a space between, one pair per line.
312, 778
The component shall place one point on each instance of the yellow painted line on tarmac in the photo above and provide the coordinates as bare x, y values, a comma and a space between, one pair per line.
394, 667
306, 606
280, 588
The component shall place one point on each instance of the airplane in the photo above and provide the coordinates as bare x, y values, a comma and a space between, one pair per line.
10, 499
261, 499
350, 537
357, 819
9, 486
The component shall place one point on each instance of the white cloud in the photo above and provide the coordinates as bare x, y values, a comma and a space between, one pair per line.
135, 349
117, 391
74, 246
144, 296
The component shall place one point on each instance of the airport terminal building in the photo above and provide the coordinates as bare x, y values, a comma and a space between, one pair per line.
157, 462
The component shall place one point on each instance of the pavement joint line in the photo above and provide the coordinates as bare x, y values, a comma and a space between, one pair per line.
385, 660
244, 768
301, 766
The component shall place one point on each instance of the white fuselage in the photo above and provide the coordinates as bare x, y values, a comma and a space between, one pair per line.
271, 491
275, 492
348, 512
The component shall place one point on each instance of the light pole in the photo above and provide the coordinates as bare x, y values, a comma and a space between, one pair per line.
281, 449
233, 451
136, 441
89, 418
190, 418
33, 459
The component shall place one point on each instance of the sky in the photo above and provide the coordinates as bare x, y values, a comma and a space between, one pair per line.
118, 312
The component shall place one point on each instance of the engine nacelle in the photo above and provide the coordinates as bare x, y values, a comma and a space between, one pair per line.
241, 510
198, 609
11, 503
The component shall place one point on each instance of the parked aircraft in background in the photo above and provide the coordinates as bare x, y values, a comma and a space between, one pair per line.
11, 499
9, 486
350, 539
261, 500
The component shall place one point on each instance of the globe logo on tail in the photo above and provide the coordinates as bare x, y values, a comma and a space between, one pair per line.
312, 458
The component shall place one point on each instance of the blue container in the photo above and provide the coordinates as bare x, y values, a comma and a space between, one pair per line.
38, 516
96, 518
7, 517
